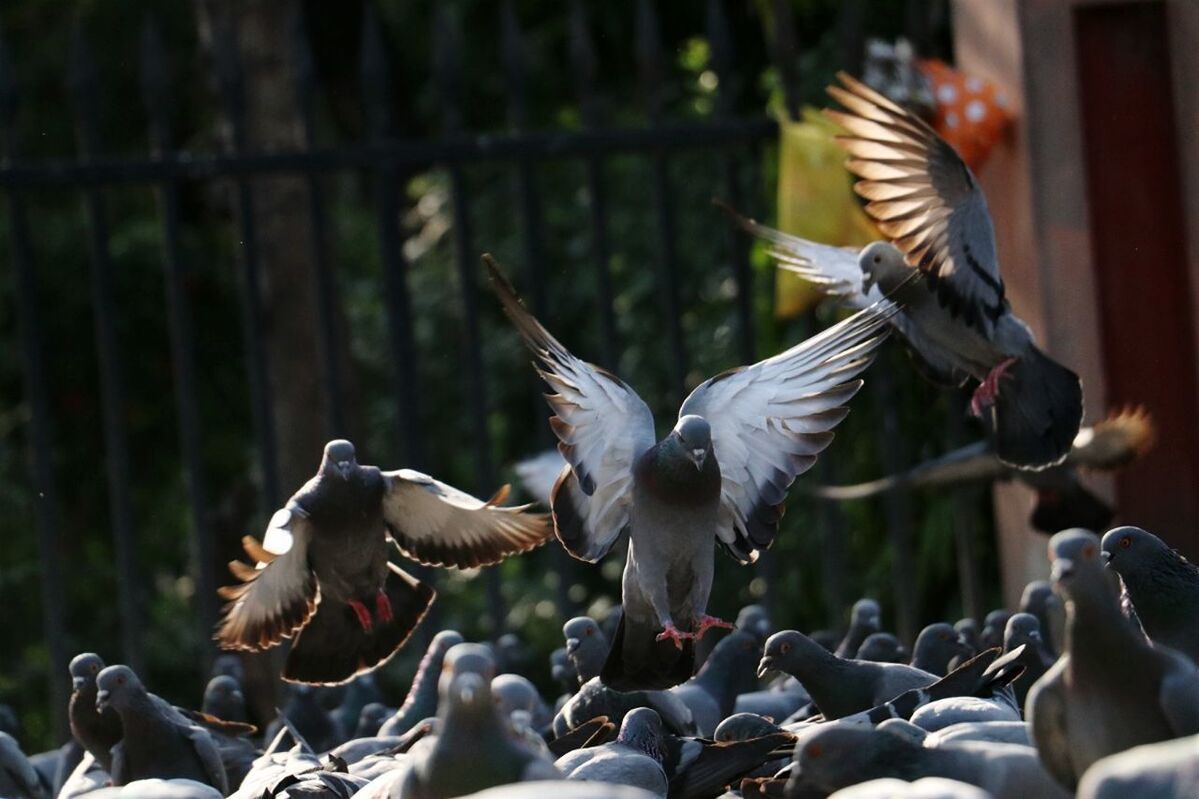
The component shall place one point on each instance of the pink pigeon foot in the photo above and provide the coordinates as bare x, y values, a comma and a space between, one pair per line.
383, 607
984, 395
707, 622
672, 633
364, 615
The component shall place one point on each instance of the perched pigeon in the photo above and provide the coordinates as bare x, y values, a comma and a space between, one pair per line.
473, 748
1039, 600
729, 671
514, 693
157, 740
923, 788
755, 620
1023, 629
96, 731
1166, 770
563, 672
993, 628
586, 647
224, 700
835, 756
1161, 585
1111, 689
313, 723
634, 758
421, 702
839, 686
864, 620
720, 475
324, 570
371, 719
940, 264
594, 699
936, 646
881, 648
944, 713
18, 778
1004, 732
1062, 501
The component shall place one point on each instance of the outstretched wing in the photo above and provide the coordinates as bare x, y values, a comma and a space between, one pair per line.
437, 525
276, 597
924, 198
602, 428
770, 420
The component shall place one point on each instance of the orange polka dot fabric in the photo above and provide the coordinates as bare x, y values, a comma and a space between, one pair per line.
971, 113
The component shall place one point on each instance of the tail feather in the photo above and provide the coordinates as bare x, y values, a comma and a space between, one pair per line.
333, 648
1037, 413
637, 661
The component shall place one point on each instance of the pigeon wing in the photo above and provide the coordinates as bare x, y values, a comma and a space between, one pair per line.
602, 428
438, 525
924, 198
278, 596
1046, 710
1179, 696
770, 420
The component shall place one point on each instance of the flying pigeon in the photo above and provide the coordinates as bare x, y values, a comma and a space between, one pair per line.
1110, 689
1160, 584
719, 477
1062, 500
157, 740
96, 731
940, 263
324, 573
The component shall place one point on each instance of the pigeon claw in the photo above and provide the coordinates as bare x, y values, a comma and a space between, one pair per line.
383, 607
364, 615
672, 633
707, 622
984, 395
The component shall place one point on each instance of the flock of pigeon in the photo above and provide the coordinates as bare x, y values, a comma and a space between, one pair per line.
1091, 689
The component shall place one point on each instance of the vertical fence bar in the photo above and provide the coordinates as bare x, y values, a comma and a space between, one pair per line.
84, 88
582, 56
41, 451
306, 82
533, 231
447, 75
156, 94
232, 90
897, 509
650, 67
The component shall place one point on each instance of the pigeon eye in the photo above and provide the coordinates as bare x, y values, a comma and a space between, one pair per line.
1088, 551
814, 751
785, 648
877, 259
120, 680
1125, 542
95, 668
590, 631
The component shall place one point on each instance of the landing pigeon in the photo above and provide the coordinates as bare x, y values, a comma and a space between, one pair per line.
1111, 689
1160, 584
324, 573
96, 731
940, 255
719, 477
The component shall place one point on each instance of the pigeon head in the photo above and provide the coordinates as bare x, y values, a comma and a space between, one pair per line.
513, 692
883, 265
839, 755
586, 646
1126, 549
467, 659
84, 668
967, 630
1037, 597
755, 620
866, 613
466, 703
642, 730
788, 651
562, 670
117, 685
993, 625
223, 690
744, 727
693, 436
339, 458
1022, 628
936, 645
229, 664
370, 719
880, 648
1077, 566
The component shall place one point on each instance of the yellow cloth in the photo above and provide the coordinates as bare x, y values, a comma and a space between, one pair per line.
815, 200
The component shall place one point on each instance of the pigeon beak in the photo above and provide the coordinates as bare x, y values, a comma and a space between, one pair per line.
344, 467
77, 683
572, 645
102, 701
766, 665
1062, 568
1107, 557
698, 456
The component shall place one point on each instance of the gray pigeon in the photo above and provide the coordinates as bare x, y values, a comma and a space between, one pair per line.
96, 731
1111, 689
157, 740
923, 788
594, 699
836, 755
634, 758
224, 700
1166, 770
371, 719
1004, 732
514, 692
155, 788
936, 646
18, 779
993, 628
941, 265
1161, 585
563, 672
474, 748
1023, 629
712, 693
881, 648
755, 620
864, 620
944, 713
311, 722
839, 686
421, 702
719, 477
1039, 600
586, 647
563, 789
324, 571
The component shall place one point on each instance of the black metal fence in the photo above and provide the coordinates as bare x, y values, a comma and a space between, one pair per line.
733, 142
